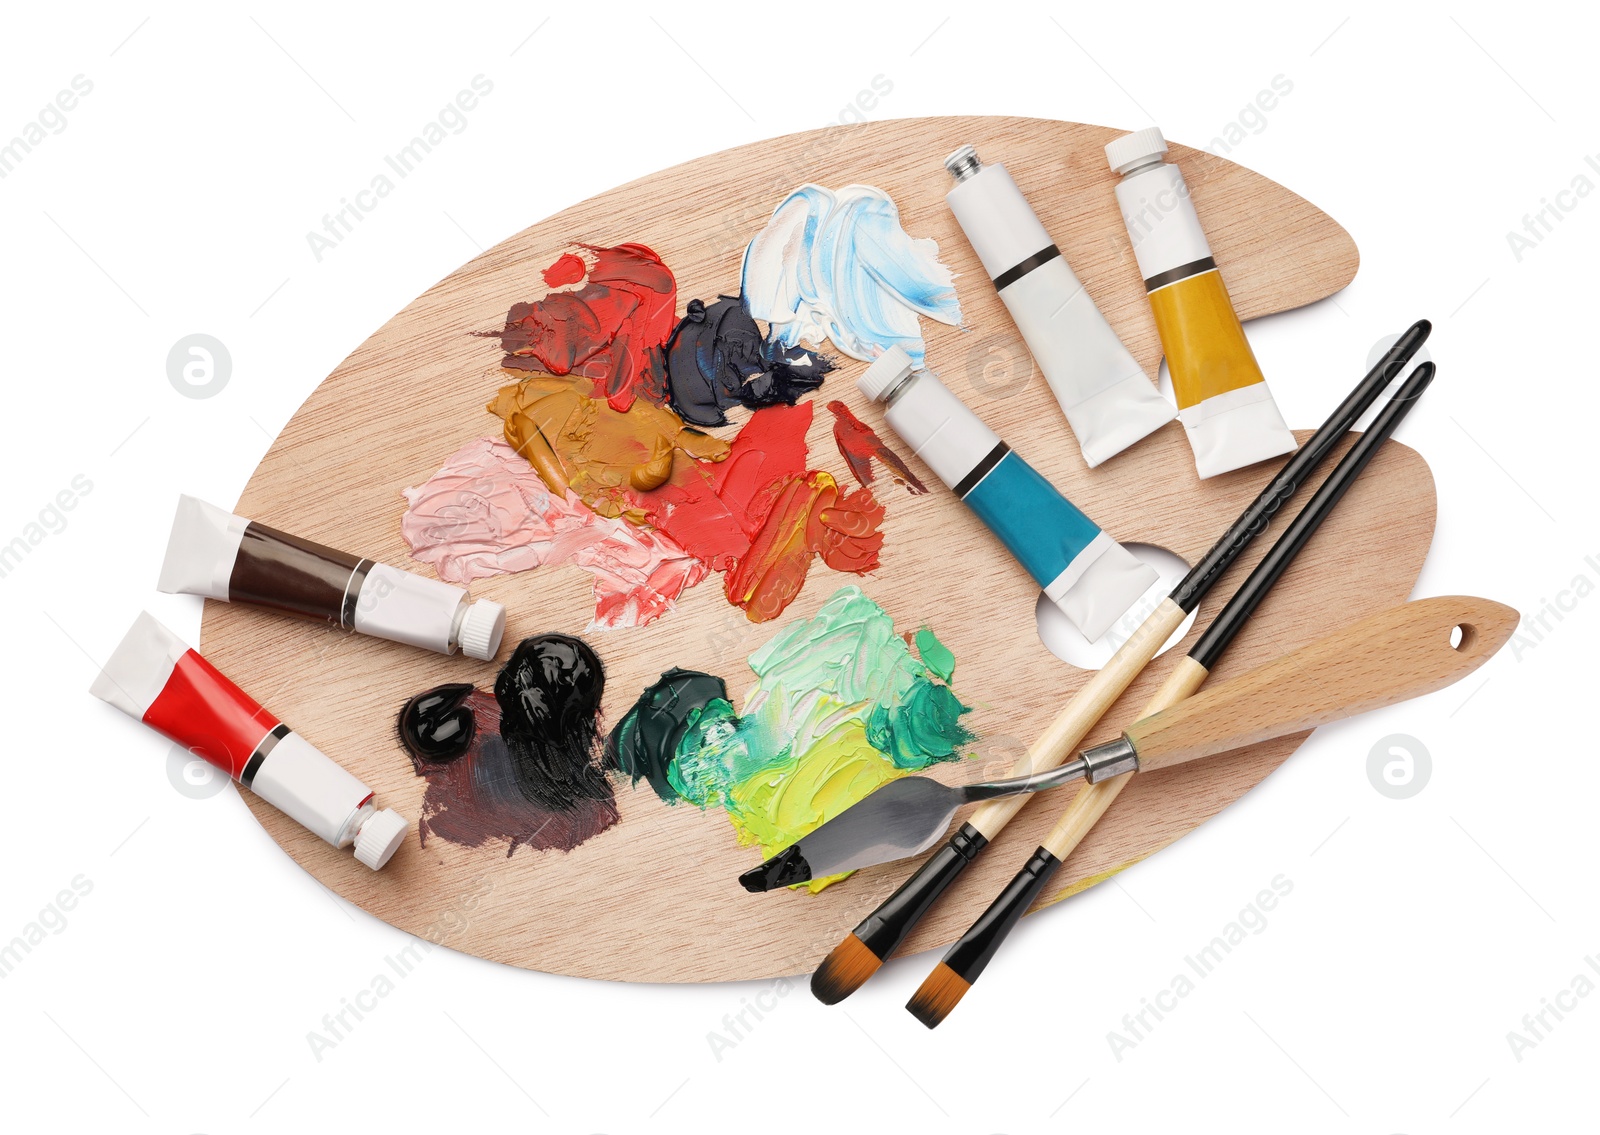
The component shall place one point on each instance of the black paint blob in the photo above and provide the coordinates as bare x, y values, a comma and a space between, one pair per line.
784, 869
437, 725
549, 697
717, 358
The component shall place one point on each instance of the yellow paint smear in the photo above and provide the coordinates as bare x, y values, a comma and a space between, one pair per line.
1206, 350
801, 794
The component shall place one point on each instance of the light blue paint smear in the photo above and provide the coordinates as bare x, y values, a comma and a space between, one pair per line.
837, 265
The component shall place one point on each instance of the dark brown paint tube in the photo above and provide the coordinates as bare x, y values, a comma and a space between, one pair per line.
222, 556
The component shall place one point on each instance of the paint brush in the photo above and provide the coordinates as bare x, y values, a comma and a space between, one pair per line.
965, 960
1384, 659
862, 951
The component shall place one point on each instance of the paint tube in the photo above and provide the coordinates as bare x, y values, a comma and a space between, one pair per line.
1223, 401
1109, 401
155, 678
222, 556
1091, 577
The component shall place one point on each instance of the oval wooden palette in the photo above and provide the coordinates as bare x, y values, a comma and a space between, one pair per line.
655, 898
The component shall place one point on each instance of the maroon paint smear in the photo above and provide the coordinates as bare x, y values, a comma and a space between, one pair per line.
611, 331
522, 764
859, 443
477, 796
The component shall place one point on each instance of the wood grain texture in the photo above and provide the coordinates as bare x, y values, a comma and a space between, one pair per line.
655, 898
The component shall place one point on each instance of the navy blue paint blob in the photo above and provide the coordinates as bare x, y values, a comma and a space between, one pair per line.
717, 358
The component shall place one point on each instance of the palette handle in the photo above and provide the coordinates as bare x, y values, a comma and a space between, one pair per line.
1389, 657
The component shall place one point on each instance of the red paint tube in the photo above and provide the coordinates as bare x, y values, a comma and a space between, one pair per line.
155, 678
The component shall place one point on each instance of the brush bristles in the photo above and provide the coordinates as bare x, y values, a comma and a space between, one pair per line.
937, 995
844, 971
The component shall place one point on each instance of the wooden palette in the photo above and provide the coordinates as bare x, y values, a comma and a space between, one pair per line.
655, 898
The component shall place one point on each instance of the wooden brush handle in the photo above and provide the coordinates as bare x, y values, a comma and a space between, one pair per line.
1386, 658
1092, 800
1061, 739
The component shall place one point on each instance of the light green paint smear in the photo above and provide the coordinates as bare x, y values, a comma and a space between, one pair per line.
936, 656
839, 708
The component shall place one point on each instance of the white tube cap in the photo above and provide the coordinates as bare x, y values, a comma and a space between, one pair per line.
380, 837
1131, 149
885, 372
481, 629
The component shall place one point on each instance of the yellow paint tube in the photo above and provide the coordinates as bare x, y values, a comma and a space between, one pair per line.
1223, 400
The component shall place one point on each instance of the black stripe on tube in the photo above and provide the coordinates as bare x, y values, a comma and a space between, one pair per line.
1254, 589
1181, 272
1255, 519
1014, 273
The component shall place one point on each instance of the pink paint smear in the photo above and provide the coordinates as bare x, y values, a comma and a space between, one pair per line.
486, 512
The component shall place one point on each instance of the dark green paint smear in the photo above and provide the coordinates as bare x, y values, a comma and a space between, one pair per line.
645, 741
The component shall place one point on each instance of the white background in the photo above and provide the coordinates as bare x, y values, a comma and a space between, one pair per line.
179, 994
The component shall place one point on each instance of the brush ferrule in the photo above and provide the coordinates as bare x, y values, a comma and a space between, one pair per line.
1114, 758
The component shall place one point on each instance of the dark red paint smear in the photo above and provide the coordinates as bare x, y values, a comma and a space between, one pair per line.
611, 330
203, 711
477, 796
859, 444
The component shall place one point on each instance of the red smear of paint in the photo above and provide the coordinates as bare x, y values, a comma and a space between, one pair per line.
611, 330
568, 269
859, 443
848, 538
715, 510
767, 579
770, 449
688, 509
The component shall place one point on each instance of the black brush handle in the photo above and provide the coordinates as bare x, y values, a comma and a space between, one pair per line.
1233, 617
884, 929
1255, 519
972, 950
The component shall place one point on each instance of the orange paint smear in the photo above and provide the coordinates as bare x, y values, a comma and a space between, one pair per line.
578, 442
762, 517
810, 517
